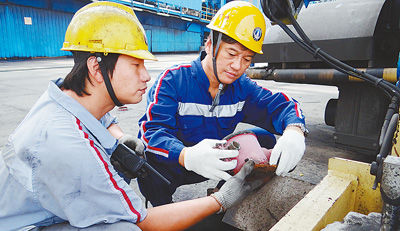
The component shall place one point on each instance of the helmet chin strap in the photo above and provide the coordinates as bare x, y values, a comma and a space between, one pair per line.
214, 59
107, 80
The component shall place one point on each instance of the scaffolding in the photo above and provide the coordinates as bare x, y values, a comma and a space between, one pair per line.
167, 9
208, 13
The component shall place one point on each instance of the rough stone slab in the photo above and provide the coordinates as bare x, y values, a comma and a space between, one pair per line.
390, 177
263, 208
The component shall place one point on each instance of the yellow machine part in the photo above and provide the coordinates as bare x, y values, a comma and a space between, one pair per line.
347, 187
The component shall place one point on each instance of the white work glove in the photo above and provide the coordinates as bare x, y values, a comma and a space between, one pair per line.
288, 151
206, 160
133, 143
236, 188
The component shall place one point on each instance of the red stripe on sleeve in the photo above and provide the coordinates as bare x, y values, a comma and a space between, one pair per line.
287, 98
114, 183
158, 149
296, 107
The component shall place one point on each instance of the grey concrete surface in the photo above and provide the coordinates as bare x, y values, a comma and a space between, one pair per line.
22, 83
263, 208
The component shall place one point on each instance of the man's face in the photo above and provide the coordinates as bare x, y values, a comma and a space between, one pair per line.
129, 79
232, 61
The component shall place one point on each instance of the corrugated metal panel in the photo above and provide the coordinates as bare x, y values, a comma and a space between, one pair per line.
4, 30
148, 30
170, 40
68, 5
45, 35
168, 34
32, 32
35, 3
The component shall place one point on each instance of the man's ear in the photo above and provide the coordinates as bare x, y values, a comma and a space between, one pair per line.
207, 46
94, 71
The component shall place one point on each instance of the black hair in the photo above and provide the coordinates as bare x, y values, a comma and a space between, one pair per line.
224, 38
75, 80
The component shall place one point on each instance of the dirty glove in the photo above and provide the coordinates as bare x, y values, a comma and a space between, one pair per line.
206, 160
236, 188
288, 151
133, 143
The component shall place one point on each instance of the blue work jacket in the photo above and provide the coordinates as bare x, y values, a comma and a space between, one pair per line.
178, 110
56, 167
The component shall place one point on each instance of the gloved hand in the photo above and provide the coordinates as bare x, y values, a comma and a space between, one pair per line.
236, 188
288, 151
133, 143
136, 145
206, 160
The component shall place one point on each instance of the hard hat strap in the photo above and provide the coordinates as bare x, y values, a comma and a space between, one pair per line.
214, 59
216, 98
214, 54
107, 81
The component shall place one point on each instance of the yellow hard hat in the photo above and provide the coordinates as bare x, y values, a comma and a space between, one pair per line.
107, 27
241, 21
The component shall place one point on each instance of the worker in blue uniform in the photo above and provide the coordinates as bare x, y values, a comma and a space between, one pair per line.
194, 105
55, 170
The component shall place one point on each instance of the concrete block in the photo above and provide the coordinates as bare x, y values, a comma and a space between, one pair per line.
264, 207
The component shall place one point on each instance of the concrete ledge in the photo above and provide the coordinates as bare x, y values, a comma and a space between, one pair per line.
334, 193
347, 187
263, 208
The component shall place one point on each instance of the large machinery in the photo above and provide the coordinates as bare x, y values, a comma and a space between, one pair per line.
362, 33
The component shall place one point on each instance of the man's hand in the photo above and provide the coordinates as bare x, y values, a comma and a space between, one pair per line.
288, 151
137, 146
236, 188
133, 143
204, 159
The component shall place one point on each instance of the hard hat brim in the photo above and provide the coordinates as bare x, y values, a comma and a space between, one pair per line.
140, 54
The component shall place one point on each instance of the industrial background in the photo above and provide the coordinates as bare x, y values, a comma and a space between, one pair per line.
31, 29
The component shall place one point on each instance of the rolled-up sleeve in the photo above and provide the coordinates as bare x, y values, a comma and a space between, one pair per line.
270, 111
108, 119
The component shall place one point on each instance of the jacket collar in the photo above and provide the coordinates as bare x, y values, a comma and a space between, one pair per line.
76, 109
199, 73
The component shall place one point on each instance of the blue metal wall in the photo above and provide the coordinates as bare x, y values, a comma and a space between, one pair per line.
43, 38
169, 34
50, 18
43, 33
163, 39
70, 6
